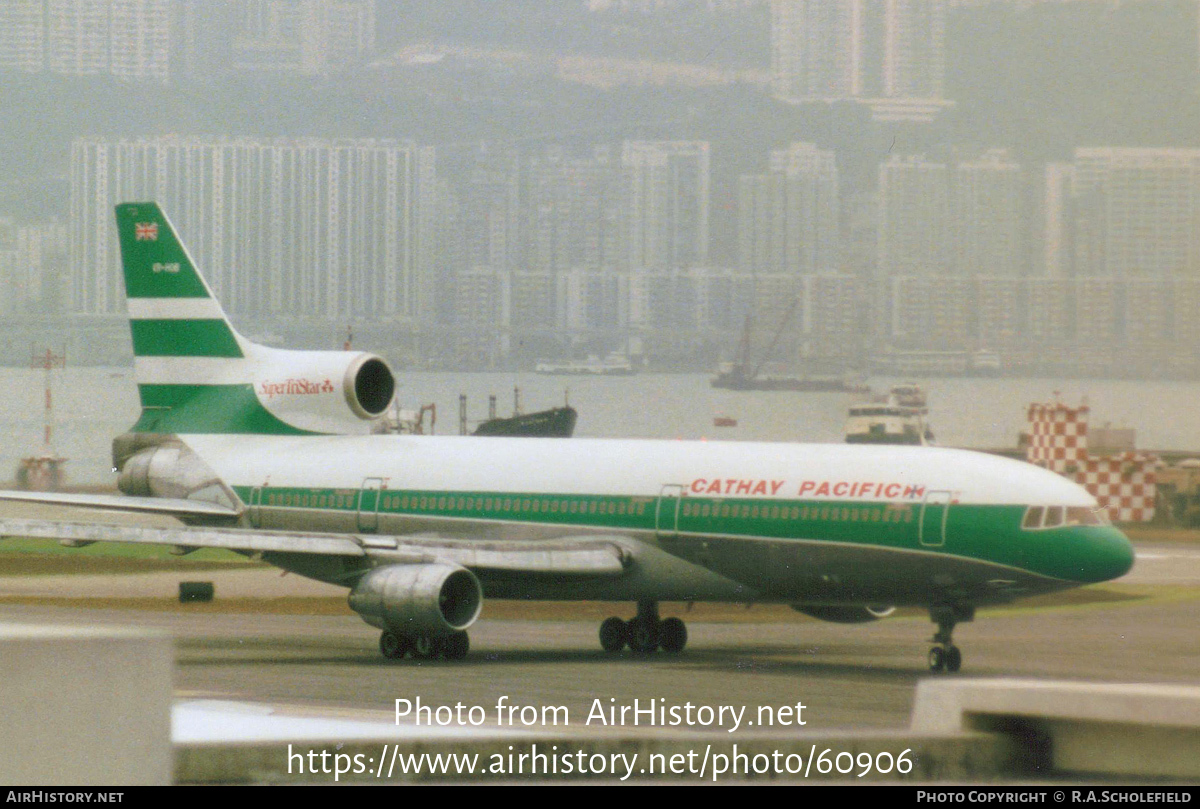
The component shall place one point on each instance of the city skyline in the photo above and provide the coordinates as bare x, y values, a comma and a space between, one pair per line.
575, 240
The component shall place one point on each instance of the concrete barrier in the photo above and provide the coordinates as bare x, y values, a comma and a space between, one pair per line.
1071, 727
84, 706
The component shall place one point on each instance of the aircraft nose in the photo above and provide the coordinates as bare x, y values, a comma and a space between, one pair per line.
1110, 555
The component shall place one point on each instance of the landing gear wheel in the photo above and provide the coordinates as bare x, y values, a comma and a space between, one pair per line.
953, 659
455, 647
937, 658
614, 634
427, 647
672, 635
393, 646
643, 635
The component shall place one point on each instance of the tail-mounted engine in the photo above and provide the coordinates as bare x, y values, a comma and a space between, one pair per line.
417, 599
323, 391
845, 615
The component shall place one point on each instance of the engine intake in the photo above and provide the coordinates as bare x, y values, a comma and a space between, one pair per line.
372, 384
434, 599
845, 615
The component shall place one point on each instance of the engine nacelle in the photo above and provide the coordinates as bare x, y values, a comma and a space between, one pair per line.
436, 599
845, 615
323, 391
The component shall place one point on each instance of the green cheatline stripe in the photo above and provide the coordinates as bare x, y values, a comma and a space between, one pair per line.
208, 409
989, 533
183, 338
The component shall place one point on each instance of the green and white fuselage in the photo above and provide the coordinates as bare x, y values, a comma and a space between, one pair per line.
757, 521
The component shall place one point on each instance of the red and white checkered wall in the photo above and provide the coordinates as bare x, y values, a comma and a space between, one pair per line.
1124, 484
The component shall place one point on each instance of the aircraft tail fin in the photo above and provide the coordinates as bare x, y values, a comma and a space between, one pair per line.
196, 374
172, 310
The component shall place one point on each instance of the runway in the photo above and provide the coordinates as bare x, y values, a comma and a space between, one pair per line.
1140, 629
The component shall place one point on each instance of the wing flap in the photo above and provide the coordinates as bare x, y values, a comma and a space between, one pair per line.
565, 556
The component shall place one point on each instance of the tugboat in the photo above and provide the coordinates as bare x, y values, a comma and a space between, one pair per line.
897, 418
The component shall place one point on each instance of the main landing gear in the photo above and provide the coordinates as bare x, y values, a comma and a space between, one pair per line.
396, 645
644, 634
945, 656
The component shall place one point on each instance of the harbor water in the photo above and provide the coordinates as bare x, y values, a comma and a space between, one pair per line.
92, 405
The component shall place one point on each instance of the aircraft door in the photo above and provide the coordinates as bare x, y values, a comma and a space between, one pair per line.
666, 510
368, 504
934, 511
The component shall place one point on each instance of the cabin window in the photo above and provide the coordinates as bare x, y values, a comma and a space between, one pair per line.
1033, 517
1054, 517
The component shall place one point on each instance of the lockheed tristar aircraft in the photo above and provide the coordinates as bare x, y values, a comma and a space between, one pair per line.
270, 453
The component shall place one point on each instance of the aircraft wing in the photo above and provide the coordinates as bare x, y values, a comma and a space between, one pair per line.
564, 556
172, 507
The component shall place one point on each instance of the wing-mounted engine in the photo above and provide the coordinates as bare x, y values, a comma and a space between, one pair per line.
322, 391
845, 615
418, 599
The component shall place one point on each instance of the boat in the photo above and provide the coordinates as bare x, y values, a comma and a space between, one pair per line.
734, 377
614, 364
740, 375
897, 418
984, 363
557, 422
724, 421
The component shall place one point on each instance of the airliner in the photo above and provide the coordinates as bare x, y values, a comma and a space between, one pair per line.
270, 453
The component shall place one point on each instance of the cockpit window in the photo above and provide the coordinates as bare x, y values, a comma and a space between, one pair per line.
1080, 515
1055, 516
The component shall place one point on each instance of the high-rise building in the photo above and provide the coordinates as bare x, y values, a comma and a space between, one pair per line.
22, 35
77, 36
890, 54
573, 211
788, 218
139, 39
1136, 212
303, 36
988, 216
128, 38
284, 228
667, 199
914, 217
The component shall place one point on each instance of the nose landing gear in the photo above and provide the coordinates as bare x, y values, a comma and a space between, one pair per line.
945, 656
644, 634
